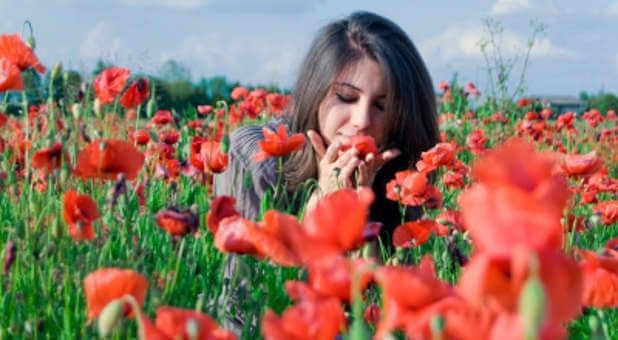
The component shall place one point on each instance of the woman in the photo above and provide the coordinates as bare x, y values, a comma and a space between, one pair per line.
362, 76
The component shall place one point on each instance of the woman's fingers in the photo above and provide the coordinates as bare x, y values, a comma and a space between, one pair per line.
318, 144
348, 169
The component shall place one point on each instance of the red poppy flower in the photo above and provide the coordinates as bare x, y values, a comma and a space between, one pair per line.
608, 211
232, 236
220, 208
178, 222
600, 279
340, 218
408, 186
10, 76
363, 143
108, 284
239, 92
141, 137
582, 165
205, 109
173, 322
109, 83
170, 136
406, 289
334, 276
162, 117
547, 113
371, 315
440, 154
524, 102
106, 158
443, 86
281, 238
13, 48
79, 213
213, 159
50, 158
278, 144
277, 102
3, 119
454, 180
137, 93
312, 318
414, 233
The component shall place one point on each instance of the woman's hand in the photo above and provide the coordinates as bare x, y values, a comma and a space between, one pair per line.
336, 169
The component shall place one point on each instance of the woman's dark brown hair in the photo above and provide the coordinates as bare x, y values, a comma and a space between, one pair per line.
410, 104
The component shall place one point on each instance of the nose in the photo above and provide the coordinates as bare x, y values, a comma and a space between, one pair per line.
361, 116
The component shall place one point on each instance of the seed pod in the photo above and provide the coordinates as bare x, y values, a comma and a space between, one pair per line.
532, 307
109, 317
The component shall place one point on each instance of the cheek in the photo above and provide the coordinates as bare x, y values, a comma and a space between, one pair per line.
329, 122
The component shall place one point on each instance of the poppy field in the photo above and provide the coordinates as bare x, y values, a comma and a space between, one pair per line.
109, 226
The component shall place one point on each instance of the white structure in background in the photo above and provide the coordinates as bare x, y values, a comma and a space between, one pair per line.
561, 103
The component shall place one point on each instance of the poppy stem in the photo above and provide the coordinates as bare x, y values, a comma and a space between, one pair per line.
141, 331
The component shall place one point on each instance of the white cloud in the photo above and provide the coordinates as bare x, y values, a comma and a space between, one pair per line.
509, 6
612, 9
247, 59
101, 43
176, 4
458, 42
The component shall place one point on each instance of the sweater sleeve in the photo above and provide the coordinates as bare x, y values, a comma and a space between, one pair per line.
232, 182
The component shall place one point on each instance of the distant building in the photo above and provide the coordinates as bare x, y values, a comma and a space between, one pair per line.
561, 104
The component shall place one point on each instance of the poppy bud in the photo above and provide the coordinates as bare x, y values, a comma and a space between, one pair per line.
532, 306
225, 143
76, 109
98, 107
437, 324
594, 220
193, 328
31, 43
109, 317
55, 72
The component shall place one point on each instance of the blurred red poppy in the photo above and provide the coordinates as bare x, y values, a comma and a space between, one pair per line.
49, 159
278, 144
239, 92
10, 76
178, 223
106, 158
109, 83
414, 233
340, 218
108, 284
408, 186
600, 279
213, 159
312, 318
141, 137
205, 109
220, 208
170, 136
363, 143
278, 237
333, 277
440, 154
173, 322
137, 93
162, 117
79, 213
581, 165
232, 236
524, 102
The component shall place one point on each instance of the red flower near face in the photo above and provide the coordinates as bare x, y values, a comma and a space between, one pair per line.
106, 158
137, 93
214, 160
162, 117
440, 154
79, 212
363, 143
109, 83
49, 159
108, 284
278, 144
414, 233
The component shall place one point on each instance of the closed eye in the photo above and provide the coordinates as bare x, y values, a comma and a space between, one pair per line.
346, 99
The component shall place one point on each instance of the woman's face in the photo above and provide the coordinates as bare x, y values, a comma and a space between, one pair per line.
355, 104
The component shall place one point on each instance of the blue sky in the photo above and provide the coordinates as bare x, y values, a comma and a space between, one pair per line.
264, 41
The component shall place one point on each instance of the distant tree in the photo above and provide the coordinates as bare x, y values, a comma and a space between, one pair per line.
604, 102
175, 71
101, 65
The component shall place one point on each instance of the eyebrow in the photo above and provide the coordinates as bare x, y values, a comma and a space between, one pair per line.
355, 88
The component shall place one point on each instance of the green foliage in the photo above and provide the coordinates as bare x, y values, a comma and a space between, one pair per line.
604, 102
